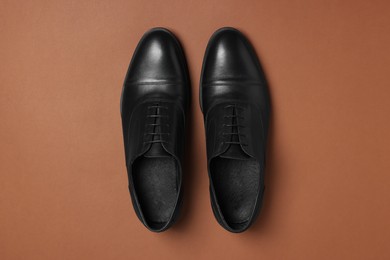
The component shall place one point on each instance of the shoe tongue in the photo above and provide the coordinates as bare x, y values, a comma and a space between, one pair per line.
156, 150
235, 152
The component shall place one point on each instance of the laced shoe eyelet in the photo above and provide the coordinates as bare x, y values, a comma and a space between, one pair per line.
234, 125
155, 112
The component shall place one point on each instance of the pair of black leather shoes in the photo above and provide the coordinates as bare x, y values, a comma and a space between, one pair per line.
235, 104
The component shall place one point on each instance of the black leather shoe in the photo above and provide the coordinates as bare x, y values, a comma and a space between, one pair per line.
154, 102
235, 104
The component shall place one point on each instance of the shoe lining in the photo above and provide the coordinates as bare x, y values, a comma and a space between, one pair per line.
155, 182
236, 184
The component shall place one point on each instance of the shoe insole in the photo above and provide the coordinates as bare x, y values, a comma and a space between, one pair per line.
155, 182
236, 184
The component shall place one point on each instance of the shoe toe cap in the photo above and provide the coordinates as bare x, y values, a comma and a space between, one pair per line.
158, 57
230, 56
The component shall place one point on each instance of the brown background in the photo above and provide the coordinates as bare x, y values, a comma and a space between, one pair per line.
63, 183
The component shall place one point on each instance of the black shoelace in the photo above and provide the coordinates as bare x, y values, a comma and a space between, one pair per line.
156, 115
234, 136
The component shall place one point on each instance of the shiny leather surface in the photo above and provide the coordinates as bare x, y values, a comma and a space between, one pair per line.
232, 77
157, 75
